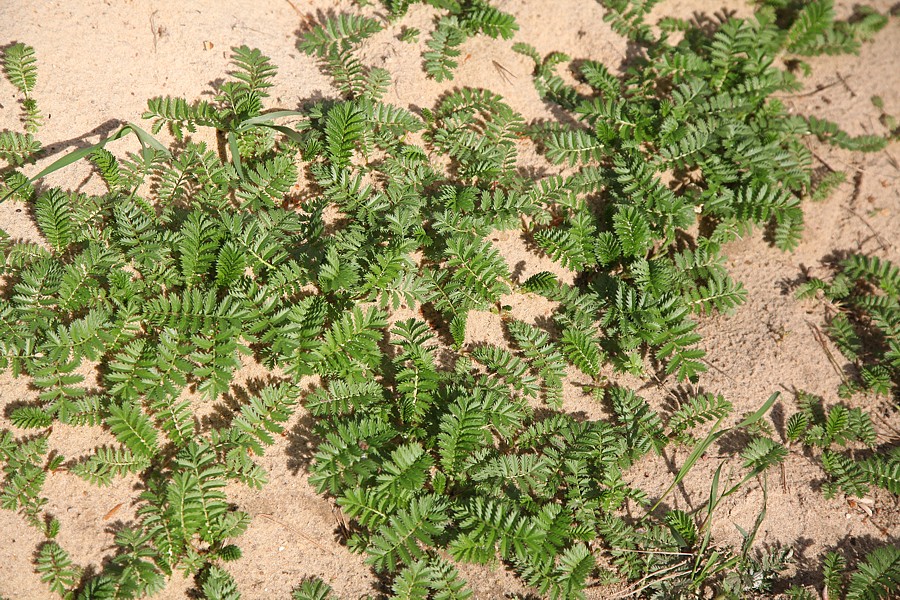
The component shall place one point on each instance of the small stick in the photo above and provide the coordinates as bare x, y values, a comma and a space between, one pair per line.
890, 158
847, 87
661, 552
113, 511
300, 533
296, 10
820, 159
153, 29
887, 424
819, 88
884, 531
505, 73
884, 246
845, 163
820, 337
638, 586
718, 370
306, 19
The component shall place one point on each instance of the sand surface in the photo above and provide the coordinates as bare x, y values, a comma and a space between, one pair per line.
100, 60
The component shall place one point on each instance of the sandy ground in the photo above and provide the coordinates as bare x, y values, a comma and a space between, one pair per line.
99, 62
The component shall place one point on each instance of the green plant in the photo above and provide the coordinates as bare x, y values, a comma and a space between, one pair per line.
679, 559
888, 120
463, 19
20, 68
333, 41
863, 301
704, 125
421, 456
865, 294
840, 426
876, 577
139, 292
409, 34
26, 462
431, 443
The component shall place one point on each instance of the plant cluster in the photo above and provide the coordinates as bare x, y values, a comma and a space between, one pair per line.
864, 320
837, 427
876, 576
20, 69
701, 112
439, 449
460, 20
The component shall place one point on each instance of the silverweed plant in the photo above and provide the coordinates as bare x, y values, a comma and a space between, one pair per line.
862, 315
439, 451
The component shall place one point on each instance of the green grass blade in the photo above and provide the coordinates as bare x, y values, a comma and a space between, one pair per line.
143, 137
759, 414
